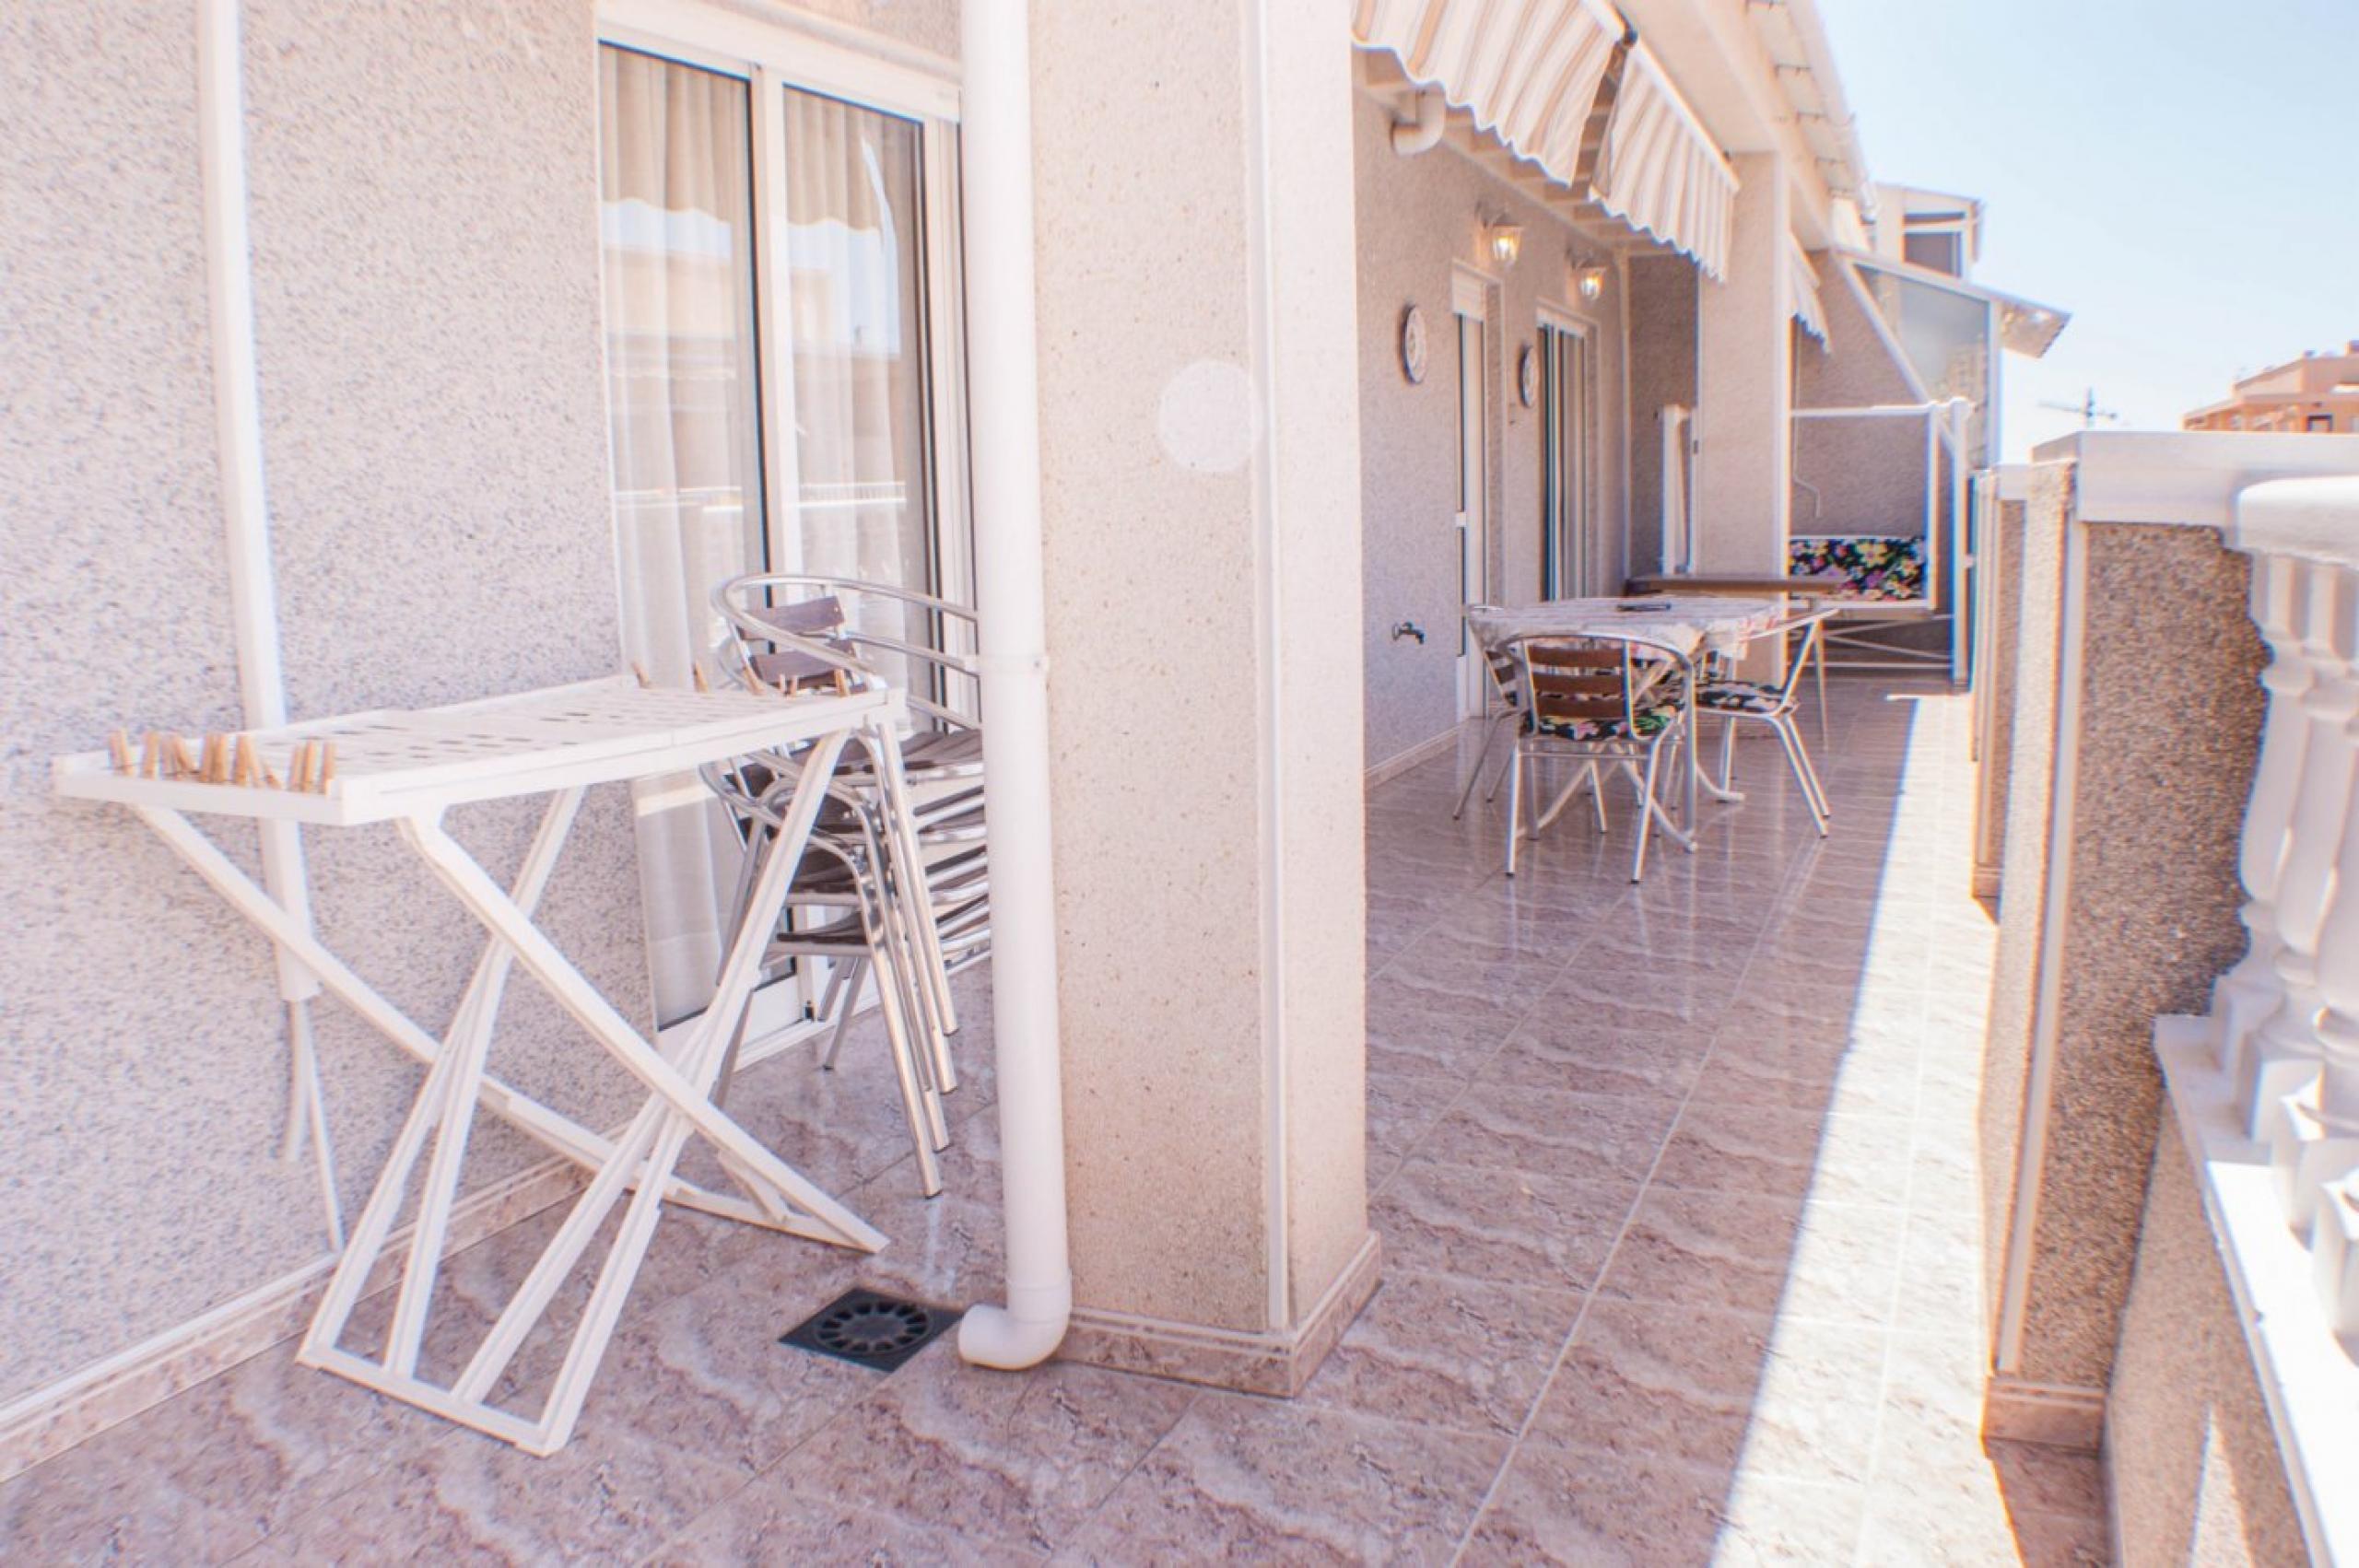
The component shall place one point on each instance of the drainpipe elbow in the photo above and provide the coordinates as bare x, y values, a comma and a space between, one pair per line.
1411, 137
1024, 1332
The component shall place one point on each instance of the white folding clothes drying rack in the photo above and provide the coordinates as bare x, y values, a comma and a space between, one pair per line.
408, 767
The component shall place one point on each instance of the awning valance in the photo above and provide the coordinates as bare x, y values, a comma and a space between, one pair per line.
1529, 72
1802, 289
1660, 173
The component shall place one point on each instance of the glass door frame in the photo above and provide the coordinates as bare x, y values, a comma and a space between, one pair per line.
1567, 542
771, 56
774, 55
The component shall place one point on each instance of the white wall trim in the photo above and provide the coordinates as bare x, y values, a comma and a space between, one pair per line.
1269, 766
2031, 1157
1399, 763
2187, 477
803, 50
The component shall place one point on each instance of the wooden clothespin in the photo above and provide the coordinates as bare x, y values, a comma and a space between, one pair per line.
327, 767
245, 767
640, 670
118, 751
183, 765
753, 682
843, 684
697, 671
152, 764
299, 767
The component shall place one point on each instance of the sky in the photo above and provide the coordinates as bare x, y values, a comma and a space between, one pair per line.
2182, 178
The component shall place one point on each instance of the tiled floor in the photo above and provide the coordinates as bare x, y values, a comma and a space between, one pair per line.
1678, 1194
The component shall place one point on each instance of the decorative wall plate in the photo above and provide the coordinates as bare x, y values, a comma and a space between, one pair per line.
1412, 344
1527, 376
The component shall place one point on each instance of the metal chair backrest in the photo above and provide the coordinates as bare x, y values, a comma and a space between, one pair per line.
1586, 680
834, 620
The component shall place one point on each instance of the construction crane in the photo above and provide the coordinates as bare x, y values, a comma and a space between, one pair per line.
2086, 408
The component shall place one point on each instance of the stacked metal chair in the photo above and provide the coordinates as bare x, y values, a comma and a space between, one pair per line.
896, 886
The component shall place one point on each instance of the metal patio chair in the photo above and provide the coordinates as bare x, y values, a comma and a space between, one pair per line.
1734, 701
1598, 700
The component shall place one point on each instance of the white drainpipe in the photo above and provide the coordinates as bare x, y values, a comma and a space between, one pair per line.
1411, 137
1004, 372
253, 597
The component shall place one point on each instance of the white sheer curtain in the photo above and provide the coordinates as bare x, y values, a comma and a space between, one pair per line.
680, 250
677, 241
854, 293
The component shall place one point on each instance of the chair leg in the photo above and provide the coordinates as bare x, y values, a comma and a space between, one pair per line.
1803, 772
846, 1003
1515, 802
1475, 774
1597, 793
1646, 812
1818, 653
1728, 754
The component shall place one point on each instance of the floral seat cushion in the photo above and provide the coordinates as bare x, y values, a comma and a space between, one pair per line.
1738, 696
1868, 568
1650, 721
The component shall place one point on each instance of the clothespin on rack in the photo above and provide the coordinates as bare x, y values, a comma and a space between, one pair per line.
152, 763
696, 670
753, 682
327, 767
245, 767
118, 751
182, 764
299, 767
640, 670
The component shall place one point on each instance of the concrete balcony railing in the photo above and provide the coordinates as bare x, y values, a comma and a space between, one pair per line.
2177, 802
2266, 1085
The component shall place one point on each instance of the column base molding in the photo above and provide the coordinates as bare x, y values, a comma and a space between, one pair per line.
2054, 1415
1276, 1361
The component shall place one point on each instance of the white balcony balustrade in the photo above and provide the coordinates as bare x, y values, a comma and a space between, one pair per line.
2267, 1087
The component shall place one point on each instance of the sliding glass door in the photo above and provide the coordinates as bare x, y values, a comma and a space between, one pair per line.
775, 264
1568, 399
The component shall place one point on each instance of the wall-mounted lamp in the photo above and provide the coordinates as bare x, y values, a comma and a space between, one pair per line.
1505, 241
1589, 278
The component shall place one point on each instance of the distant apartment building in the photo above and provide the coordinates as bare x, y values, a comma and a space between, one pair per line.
2318, 391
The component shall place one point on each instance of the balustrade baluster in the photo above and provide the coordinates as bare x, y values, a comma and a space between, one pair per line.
2285, 1048
2250, 991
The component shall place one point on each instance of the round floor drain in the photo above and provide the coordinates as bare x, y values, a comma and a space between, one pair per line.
871, 1330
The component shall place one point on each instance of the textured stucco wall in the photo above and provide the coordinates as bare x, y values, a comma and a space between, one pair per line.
1662, 370
426, 277
1416, 216
2164, 766
2192, 1462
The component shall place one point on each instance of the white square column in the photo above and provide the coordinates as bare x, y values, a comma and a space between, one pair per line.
1199, 390
1744, 342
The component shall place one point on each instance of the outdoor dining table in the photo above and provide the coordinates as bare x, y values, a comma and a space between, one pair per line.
1688, 626
406, 767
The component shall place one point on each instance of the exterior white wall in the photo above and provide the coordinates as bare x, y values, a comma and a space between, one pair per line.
1416, 216
424, 194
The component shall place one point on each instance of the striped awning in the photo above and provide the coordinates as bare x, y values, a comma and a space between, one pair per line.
1802, 289
1529, 73
1659, 170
